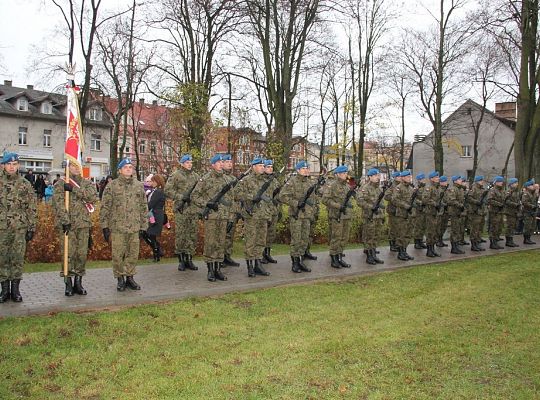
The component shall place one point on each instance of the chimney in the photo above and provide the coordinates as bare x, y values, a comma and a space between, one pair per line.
7, 83
30, 87
506, 110
154, 102
141, 101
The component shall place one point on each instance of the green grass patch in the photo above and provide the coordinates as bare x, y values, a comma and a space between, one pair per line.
459, 330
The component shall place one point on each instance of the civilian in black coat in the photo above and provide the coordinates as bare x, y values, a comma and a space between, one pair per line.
156, 215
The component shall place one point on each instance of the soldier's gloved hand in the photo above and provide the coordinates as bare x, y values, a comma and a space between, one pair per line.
276, 203
29, 235
68, 187
142, 234
212, 206
342, 209
106, 234
225, 202
66, 228
309, 202
265, 198
349, 205
186, 199
409, 209
374, 210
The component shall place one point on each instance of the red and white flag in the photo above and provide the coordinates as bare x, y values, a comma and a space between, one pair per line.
74, 135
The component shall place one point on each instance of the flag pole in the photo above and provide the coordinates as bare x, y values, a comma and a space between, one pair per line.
66, 237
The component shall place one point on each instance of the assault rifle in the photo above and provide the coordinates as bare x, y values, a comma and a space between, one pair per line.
484, 196
439, 203
377, 204
213, 205
262, 190
302, 203
348, 196
186, 198
413, 199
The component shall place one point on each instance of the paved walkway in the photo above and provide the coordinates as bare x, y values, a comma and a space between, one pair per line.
43, 292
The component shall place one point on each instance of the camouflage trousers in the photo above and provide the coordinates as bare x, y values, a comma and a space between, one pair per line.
511, 224
457, 228
419, 226
229, 238
392, 234
476, 223
185, 233
403, 231
214, 243
495, 224
338, 235
77, 251
432, 229
371, 232
300, 229
529, 224
442, 221
255, 231
312, 226
125, 253
12, 250
271, 230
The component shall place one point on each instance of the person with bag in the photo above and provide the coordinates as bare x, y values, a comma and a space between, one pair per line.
156, 215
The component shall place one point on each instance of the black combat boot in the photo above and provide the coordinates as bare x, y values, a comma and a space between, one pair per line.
334, 263
78, 287
374, 253
463, 243
393, 246
343, 263
15, 294
303, 266
121, 285
217, 272
251, 271
441, 243
131, 284
182, 261
474, 246
419, 244
430, 251
407, 254
309, 256
5, 294
189, 262
369, 259
229, 262
268, 257
259, 269
510, 242
527, 239
482, 240
296, 264
69, 286
456, 249
210, 276
402, 255
493, 244
155, 253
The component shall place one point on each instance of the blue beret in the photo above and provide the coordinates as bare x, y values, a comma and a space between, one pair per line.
405, 173
9, 157
456, 177
433, 174
301, 164
267, 163
341, 169
479, 178
444, 179
257, 161
395, 174
511, 181
373, 171
125, 161
420, 177
498, 179
185, 157
216, 158
226, 157
529, 183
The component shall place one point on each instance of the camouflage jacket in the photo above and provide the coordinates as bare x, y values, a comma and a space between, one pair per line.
78, 215
293, 192
495, 199
208, 187
511, 205
236, 206
401, 200
245, 193
443, 200
333, 198
456, 201
419, 202
430, 199
529, 202
273, 206
17, 203
178, 185
390, 209
474, 200
123, 206
366, 197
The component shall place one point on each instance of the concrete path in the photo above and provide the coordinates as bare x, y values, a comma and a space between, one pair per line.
43, 292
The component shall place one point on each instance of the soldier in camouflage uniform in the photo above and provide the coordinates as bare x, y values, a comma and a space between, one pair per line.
476, 212
402, 199
215, 222
511, 210
442, 216
372, 215
299, 220
179, 188
234, 213
495, 203
430, 202
17, 225
339, 216
124, 218
75, 223
529, 203
456, 210
391, 210
256, 215
273, 212
419, 221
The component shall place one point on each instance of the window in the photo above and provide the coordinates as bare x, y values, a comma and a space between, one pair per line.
95, 142
127, 148
153, 148
22, 104
95, 114
243, 140
239, 156
466, 151
167, 151
37, 166
296, 147
46, 108
142, 147
23, 133
47, 138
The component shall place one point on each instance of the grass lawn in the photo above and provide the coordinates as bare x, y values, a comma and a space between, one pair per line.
460, 330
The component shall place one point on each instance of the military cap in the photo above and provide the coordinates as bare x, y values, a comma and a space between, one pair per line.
257, 161
226, 157
216, 158
301, 164
373, 171
444, 178
420, 176
498, 179
341, 169
405, 173
185, 157
433, 174
9, 157
479, 178
268, 162
529, 183
395, 174
511, 181
456, 177
123, 162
